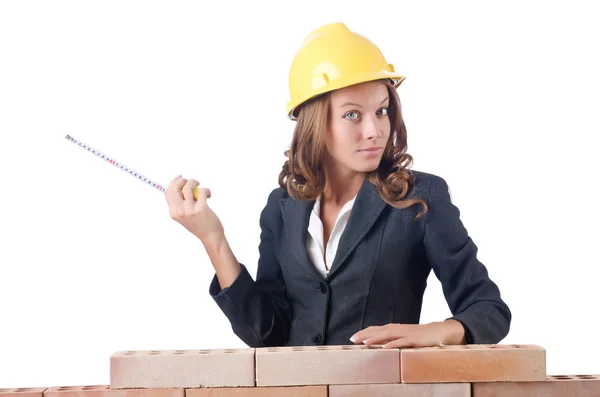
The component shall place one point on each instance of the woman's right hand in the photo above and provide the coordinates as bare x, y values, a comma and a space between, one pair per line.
195, 215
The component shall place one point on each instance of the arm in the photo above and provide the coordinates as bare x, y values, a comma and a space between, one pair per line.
257, 310
472, 297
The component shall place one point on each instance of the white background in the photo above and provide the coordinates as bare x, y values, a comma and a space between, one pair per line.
500, 100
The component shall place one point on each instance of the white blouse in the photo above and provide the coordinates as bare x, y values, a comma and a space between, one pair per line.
314, 241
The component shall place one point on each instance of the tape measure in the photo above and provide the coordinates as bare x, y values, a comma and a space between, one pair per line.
122, 166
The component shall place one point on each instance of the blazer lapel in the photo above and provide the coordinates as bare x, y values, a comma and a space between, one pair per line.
296, 215
365, 211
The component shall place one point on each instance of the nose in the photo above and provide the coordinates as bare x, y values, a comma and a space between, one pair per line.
371, 128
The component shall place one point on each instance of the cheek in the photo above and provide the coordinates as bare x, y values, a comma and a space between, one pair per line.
344, 140
339, 136
386, 127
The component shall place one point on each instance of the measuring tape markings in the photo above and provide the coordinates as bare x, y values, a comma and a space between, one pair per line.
122, 166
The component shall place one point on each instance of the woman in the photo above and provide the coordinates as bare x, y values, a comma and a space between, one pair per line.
351, 234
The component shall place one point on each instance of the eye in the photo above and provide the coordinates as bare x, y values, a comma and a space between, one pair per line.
346, 115
384, 110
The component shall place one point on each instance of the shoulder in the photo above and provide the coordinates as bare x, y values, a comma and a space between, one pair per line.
429, 186
274, 198
435, 191
276, 195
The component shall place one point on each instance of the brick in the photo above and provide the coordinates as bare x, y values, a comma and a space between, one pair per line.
287, 391
326, 365
402, 390
106, 391
473, 363
23, 392
182, 368
553, 386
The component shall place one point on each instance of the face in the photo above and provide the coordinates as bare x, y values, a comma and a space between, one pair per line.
358, 127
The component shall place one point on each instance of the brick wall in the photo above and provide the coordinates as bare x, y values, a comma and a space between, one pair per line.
336, 371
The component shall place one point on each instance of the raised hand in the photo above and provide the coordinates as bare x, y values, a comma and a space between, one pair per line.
195, 215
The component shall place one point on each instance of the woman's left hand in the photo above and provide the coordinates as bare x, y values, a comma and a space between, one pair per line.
449, 332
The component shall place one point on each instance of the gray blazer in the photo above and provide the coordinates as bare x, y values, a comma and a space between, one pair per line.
378, 276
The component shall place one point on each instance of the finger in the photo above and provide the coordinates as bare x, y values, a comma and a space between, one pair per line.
401, 343
188, 193
367, 333
203, 195
360, 336
388, 333
173, 192
381, 337
412, 341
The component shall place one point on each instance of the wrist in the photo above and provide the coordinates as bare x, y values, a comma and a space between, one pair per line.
454, 332
213, 242
226, 266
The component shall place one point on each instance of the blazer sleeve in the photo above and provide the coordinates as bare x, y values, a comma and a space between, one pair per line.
258, 311
472, 297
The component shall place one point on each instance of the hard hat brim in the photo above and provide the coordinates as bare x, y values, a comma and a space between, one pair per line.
395, 80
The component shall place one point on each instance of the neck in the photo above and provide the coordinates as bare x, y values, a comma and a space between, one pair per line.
342, 186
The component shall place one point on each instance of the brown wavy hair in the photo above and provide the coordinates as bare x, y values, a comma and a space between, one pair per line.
303, 174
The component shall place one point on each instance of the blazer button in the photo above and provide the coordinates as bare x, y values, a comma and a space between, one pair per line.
317, 339
323, 287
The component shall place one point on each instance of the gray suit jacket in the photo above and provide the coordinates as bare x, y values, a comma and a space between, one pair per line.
378, 276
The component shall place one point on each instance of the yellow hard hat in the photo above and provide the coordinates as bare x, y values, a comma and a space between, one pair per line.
333, 57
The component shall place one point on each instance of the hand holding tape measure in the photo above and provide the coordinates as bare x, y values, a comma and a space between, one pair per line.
193, 213
187, 201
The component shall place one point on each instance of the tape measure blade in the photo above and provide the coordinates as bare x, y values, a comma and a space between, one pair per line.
123, 167
116, 163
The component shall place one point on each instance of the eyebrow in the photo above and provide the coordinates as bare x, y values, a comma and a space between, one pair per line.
357, 105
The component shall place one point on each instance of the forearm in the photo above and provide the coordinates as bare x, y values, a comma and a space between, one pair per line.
487, 322
226, 265
473, 298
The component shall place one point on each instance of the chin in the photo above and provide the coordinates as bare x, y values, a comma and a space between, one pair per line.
367, 167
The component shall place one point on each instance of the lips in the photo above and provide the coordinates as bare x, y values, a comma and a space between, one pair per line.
372, 149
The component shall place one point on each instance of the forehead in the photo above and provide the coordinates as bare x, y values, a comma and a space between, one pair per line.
365, 94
